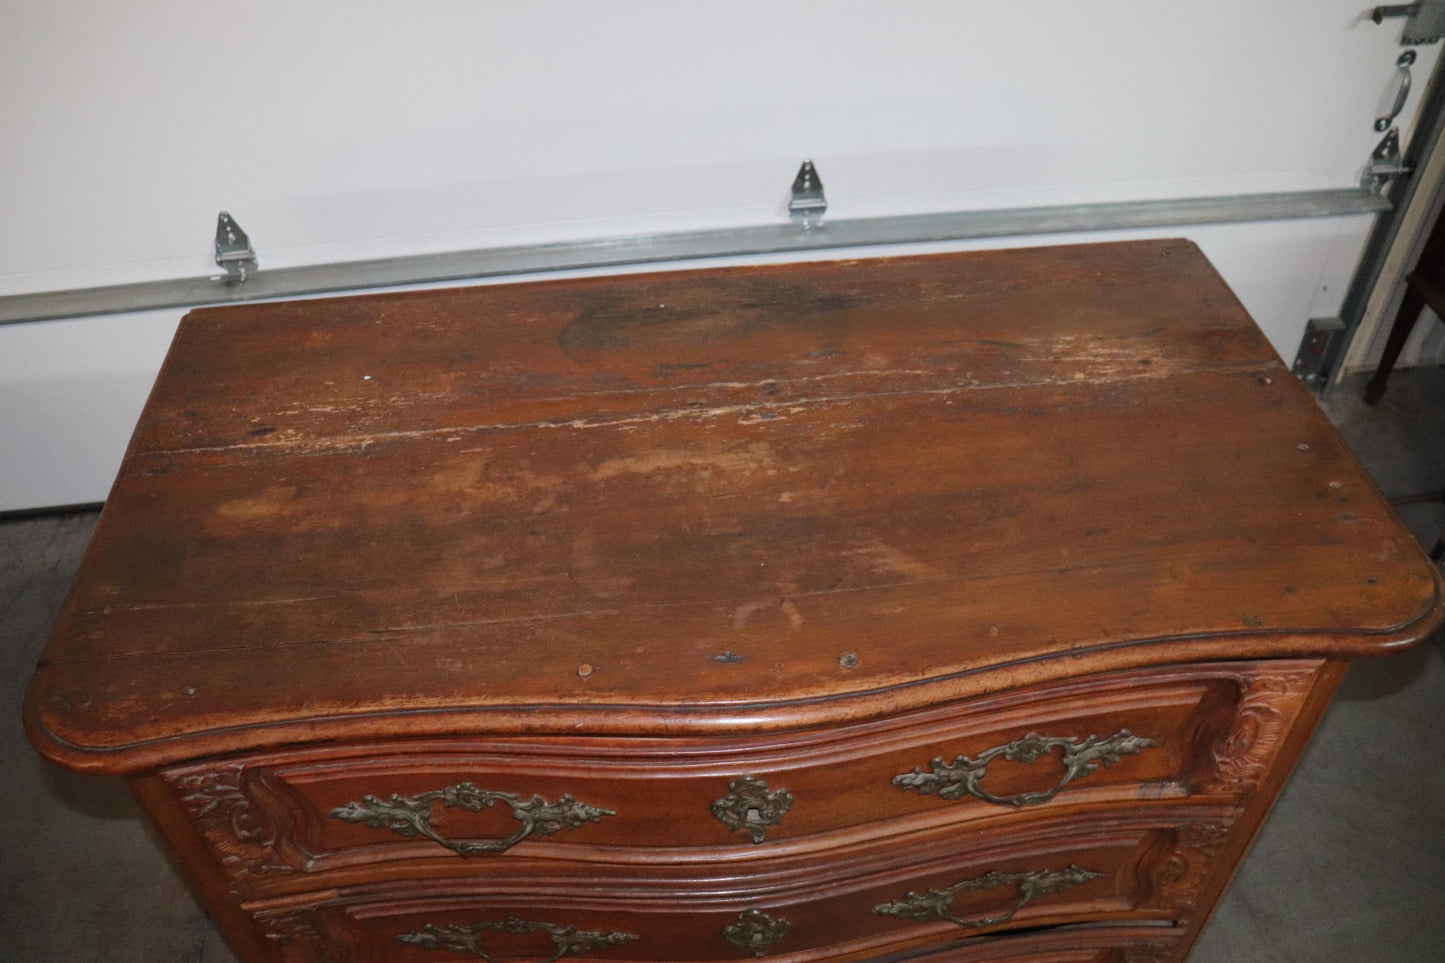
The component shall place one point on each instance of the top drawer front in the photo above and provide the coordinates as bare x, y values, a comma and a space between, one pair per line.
454, 807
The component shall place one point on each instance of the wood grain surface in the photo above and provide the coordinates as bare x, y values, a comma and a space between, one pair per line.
717, 500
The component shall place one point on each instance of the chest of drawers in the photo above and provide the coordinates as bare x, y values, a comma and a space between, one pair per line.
955, 608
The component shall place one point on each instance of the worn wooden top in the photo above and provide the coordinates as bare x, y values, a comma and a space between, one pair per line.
742, 498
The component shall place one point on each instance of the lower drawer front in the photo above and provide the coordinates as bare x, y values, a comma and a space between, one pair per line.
1061, 944
304, 820
1139, 866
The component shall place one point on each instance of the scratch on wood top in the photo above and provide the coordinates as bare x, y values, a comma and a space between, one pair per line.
294, 443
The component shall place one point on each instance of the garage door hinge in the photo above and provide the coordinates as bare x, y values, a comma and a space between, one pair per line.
1315, 361
807, 204
1385, 163
233, 250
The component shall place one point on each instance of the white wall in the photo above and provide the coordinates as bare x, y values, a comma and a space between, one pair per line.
338, 131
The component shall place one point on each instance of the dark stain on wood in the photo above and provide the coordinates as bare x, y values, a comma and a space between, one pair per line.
688, 317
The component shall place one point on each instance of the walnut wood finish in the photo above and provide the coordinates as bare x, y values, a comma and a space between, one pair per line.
520, 621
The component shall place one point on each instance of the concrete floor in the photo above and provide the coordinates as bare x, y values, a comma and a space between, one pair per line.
1351, 865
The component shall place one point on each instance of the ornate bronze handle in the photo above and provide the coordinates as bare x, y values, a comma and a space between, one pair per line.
756, 931
751, 805
938, 903
568, 940
952, 780
410, 816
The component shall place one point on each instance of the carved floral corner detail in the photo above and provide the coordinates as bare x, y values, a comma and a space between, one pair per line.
290, 926
1180, 876
1267, 708
238, 830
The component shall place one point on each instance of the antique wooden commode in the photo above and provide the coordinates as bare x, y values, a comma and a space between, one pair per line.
969, 607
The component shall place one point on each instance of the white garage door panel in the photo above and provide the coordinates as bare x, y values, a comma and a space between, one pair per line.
337, 132
341, 131
70, 391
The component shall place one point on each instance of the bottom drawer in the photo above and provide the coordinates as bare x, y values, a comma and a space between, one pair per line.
1144, 865
1094, 943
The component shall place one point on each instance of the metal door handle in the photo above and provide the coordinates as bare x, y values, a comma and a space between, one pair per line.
1402, 75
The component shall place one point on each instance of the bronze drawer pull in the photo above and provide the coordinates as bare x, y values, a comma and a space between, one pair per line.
938, 903
751, 805
410, 816
568, 940
756, 931
952, 780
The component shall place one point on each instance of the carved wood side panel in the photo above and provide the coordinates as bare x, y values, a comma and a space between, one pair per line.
1153, 951
1183, 867
310, 935
243, 834
1270, 700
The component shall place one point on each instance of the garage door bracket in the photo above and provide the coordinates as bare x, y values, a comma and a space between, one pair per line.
233, 250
